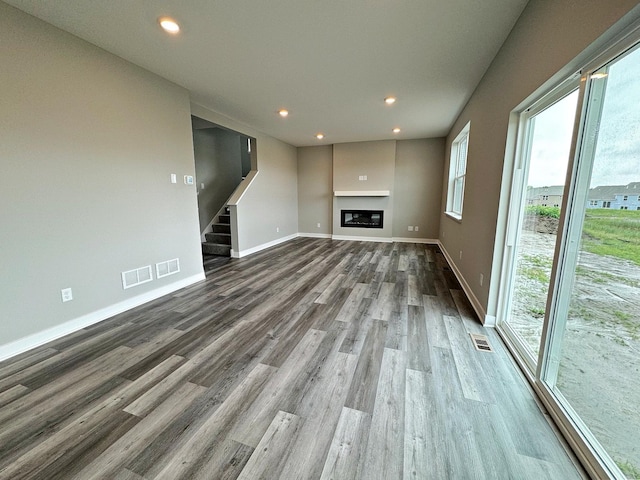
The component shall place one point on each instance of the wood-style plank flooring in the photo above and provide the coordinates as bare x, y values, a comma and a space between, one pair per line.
315, 359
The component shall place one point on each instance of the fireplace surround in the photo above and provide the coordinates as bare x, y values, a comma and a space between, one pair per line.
361, 218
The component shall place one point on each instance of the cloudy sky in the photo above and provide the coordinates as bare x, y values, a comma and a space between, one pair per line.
617, 160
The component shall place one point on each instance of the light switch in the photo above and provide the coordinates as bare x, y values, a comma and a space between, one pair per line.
174, 179
188, 179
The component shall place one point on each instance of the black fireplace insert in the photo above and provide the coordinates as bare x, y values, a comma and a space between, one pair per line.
361, 218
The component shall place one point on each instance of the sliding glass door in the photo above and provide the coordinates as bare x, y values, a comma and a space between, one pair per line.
570, 287
539, 184
596, 370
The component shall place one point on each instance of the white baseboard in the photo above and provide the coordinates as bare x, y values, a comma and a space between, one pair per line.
256, 249
432, 241
475, 303
40, 338
362, 239
315, 235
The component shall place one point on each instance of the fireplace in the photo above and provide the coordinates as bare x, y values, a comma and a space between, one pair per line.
361, 218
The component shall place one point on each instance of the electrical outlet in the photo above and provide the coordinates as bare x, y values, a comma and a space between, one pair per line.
460, 254
318, 224
173, 178
67, 295
481, 279
277, 229
410, 228
415, 229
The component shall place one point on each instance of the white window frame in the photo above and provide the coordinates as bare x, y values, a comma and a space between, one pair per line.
457, 173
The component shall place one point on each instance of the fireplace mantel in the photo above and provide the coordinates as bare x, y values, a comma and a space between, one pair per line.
361, 193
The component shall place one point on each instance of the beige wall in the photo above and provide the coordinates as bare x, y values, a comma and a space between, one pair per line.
546, 38
88, 145
412, 172
418, 187
376, 161
315, 199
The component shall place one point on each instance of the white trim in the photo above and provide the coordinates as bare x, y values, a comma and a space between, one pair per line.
475, 303
242, 187
34, 340
361, 193
314, 235
489, 321
362, 239
257, 248
431, 241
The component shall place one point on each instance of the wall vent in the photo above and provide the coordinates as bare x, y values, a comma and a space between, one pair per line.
137, 276
169, 267
481, 342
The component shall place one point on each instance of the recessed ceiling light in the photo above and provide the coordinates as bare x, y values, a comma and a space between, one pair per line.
396, 130
320, 136
283, 112
169, 25
390, 100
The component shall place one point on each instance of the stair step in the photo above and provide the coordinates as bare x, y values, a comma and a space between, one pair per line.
210, 248
222, 238
221, 228
224, 218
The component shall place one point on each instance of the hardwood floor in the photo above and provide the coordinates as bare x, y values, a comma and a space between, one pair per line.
315, 359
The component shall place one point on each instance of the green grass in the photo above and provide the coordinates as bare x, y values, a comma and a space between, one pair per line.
615, 233
553, 212
630, 470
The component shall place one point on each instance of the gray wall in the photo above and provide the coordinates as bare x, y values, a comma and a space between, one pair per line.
548, 35
218, 159
88, 145
418, 187
267, 206
315, 198
376, 161
413, 174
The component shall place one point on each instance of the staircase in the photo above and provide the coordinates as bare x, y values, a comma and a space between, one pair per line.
219, 241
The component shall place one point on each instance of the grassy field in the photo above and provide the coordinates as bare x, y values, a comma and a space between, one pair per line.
613, 232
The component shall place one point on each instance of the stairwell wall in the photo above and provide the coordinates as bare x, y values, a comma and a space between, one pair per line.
218, 163
264, 206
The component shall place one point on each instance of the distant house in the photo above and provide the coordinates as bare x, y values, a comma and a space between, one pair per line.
617, 197
545, 196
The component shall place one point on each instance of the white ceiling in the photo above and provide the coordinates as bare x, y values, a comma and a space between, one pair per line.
329, 62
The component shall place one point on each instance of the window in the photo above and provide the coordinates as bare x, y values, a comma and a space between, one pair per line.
457, 172
579, 350
545, 197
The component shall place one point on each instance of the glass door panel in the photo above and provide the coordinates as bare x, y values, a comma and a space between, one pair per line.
597, 349
547, 143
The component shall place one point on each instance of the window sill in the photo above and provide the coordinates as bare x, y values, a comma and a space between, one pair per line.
454, 216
